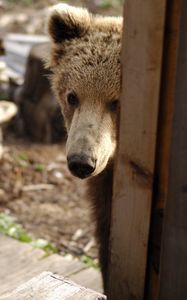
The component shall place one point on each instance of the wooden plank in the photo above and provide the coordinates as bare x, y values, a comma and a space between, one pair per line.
141, 67
89, 277
20, 262
173, 284
171, 40
52, 287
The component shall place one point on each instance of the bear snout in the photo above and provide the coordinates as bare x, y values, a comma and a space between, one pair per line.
82, 165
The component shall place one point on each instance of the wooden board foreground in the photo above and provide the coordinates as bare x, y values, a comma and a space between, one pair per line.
52, 287
19, 262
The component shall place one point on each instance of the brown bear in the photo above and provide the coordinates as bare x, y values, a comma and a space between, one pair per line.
85, 64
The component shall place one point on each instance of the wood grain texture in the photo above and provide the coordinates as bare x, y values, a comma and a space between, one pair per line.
173, 276
48, 286
19, 262
165, 119
141, 67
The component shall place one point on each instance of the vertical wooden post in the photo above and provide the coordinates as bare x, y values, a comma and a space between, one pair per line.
173, 276
141, 69
165, 119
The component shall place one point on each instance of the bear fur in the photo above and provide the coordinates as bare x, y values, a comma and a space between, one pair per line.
86, 79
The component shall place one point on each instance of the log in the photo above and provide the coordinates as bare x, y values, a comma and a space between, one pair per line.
52, 287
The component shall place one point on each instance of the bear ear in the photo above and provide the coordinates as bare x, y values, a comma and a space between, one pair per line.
67, 22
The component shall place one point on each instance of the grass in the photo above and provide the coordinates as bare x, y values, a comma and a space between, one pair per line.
90, 262
110, 3
9, 227
24, 2
21, 156
21, 159
39, 167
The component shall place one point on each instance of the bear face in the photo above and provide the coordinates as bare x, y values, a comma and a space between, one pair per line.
85, 62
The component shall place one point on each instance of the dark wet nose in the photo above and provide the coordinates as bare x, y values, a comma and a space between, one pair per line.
81, 165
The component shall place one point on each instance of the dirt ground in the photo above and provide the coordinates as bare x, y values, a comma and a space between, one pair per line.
35, 185
29, 16
37, 188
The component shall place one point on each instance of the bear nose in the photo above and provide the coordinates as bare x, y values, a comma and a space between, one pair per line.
81, 165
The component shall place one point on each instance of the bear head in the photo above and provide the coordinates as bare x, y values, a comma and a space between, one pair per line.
86, 79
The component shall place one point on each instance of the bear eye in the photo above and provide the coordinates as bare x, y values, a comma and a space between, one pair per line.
72, 99
113, 105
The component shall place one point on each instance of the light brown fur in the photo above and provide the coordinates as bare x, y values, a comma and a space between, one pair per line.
85, 61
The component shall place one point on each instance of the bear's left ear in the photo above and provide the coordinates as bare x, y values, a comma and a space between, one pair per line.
66, 22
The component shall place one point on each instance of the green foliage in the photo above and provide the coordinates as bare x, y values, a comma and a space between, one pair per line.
24, 2
22, 159
39, 167
22, 156
45, 245
9, 227
105, 3
110, 3
89, 261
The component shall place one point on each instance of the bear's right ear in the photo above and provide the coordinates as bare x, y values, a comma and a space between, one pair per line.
66, 22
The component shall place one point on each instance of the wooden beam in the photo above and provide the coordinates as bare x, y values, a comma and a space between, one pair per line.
171, 41
52, 287
141, 70
19, 262
173, 276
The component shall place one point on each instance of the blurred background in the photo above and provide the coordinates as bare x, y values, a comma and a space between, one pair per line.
39, 200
